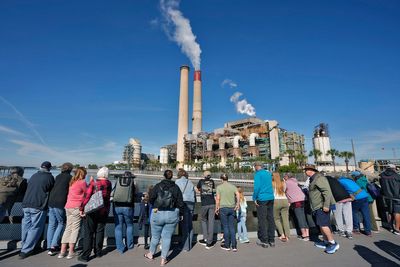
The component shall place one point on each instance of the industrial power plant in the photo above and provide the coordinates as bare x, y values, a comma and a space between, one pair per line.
238, 140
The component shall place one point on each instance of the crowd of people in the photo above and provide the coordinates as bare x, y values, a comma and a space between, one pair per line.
77, 208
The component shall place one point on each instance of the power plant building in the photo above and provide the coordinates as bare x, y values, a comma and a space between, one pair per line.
237, 140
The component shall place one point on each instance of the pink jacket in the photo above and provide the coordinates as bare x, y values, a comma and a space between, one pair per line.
293, 191
76, 194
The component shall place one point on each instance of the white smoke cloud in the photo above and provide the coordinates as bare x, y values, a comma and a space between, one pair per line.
178, 29
229, 82
242, 106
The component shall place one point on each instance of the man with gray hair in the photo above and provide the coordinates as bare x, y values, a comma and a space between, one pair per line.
390, 183
34, 206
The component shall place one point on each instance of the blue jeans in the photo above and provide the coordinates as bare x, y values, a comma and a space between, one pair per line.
186, 226
123, 217
241, 226
163, 224
55, 229
227, 216
32, 228
362, 206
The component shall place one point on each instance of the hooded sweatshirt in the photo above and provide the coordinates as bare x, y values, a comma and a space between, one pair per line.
390, 182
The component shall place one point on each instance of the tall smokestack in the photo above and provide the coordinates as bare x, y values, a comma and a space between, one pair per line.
183, 116
197, 111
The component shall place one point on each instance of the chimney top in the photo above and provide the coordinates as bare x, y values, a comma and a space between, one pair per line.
197, 75
185, 67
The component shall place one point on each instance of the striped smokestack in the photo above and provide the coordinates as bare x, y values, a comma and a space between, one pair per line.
197, 111
183, 116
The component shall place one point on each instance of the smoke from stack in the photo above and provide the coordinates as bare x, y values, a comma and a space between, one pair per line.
242, 106
178, 29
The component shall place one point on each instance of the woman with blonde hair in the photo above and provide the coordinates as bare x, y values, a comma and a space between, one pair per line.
241, 215
77, 189
281, 208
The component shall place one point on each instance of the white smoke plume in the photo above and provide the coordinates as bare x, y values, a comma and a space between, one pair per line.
229, 82
242, 106
178, 29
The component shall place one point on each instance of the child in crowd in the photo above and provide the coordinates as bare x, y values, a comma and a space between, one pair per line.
144, 216
241, 218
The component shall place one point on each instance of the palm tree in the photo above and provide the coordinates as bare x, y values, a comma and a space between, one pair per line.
290, 153
347, 156
315, 153
300, 159
333, 153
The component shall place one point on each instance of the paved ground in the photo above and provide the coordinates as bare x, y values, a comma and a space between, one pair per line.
381, 250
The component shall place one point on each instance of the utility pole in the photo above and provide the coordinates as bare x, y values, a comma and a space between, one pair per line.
354, 153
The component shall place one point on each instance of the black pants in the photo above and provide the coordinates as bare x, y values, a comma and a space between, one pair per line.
266, 223
146, 233
93, 234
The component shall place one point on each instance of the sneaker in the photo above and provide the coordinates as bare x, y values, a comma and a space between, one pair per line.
342, 233
356, 232
261, 244
82, 259
61, 255
396, 232
203, 242
210, 246
70, 256
321, 244
271, 244
234, 249
243, 241
52, 252
349, 235
146, 247
305, 238
225, 248
332, 248
23, 255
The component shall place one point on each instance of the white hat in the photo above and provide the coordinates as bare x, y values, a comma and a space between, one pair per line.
391, 166
103, 172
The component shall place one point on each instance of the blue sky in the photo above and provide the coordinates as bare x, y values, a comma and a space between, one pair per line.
79, 78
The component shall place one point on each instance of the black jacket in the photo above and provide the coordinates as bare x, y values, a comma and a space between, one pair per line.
59, 193
338, 191
171, 187
37, 193
390, 183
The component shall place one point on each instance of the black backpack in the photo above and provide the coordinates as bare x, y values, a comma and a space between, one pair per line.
164, 199
124, 191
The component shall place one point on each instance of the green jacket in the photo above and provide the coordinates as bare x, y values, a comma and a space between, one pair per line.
320, 193
363, 182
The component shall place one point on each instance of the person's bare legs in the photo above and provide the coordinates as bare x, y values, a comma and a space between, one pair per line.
326, 232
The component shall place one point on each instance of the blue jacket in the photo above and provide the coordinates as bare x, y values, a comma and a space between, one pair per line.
351, 187
263, 190
187, 189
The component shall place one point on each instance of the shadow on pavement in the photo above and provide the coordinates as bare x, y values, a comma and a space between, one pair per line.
374, 258
390, 248
7, 254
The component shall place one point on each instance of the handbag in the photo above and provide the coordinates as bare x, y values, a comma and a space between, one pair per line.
95, 202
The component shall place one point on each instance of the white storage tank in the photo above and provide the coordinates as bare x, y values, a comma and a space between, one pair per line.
137, 150
164, 155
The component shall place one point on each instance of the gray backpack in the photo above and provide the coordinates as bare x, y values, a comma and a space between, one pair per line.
124, 192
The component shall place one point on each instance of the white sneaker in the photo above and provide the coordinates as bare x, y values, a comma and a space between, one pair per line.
61, 255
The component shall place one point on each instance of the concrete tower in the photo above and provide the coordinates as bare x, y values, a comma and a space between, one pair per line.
183, 116
197, 112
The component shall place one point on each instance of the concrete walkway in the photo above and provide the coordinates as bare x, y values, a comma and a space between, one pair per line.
380, 250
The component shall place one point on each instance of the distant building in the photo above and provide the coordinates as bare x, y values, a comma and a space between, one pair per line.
133, 153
